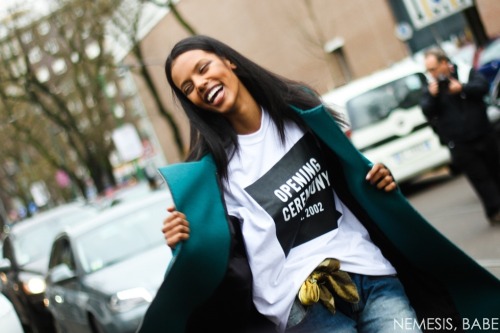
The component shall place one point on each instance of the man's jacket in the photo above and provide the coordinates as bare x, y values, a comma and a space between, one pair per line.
459, 118
208, 282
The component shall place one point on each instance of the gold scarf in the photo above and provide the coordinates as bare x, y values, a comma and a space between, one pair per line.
325, 281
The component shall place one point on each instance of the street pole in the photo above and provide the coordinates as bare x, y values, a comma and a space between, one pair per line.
4, 220
476, 26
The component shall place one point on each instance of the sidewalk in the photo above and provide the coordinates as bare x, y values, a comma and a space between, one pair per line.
453, 208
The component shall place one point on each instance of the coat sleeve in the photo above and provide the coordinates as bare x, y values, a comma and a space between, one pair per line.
199, 264
429, 104
477, 86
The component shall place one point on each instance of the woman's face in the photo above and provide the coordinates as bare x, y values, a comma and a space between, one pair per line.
207, 80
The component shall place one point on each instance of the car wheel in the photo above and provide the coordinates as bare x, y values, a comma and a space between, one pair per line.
454, 170
59, 328
95, 325
31, 328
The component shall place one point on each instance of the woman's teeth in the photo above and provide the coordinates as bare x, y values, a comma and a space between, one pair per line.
213, 93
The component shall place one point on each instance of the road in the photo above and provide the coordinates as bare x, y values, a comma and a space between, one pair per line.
450, 204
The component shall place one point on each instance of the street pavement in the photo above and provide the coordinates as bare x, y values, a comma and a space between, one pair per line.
450, 204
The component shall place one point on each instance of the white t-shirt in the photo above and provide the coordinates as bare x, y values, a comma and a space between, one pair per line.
291, 217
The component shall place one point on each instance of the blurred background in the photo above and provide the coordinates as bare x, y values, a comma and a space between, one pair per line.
87, 118
85, 107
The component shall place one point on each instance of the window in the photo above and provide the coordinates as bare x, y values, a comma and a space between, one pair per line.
59, 66
3, 31
8, 251
16, 47
67, 87
341, 71
75, 106
7, 53
35, 55
27, 37
75, 57
90, 101
61, 254
51, 46
92, 50
375, 105
44, 28
43, 74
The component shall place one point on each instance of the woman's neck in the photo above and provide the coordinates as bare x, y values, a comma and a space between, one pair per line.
247, 122
246, 117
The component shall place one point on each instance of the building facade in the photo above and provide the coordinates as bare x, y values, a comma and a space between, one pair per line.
325, 43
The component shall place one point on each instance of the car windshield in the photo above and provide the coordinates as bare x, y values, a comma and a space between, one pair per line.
375, 105
122, 237
34, 243
490, 53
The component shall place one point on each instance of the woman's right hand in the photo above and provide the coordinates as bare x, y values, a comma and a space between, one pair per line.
175, 227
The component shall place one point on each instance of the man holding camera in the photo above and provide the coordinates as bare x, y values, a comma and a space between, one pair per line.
457, 112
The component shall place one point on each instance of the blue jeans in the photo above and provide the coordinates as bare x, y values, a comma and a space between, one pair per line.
382, 308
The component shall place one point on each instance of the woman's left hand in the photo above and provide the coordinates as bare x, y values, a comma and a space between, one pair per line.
380, 176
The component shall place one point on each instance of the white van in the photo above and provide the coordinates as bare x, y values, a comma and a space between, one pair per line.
387, 123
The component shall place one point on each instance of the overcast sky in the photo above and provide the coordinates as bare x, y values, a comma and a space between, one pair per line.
38, 5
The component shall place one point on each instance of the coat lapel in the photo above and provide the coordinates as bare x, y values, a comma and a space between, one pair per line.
199, 264
474, 290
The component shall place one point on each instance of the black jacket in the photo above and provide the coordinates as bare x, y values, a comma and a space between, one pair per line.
459, 118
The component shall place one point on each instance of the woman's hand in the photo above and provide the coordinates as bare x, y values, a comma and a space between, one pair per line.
175, 227
380, 176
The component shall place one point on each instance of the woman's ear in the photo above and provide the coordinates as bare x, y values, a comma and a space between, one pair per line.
230, 64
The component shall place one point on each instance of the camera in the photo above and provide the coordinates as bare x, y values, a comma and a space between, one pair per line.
443, 83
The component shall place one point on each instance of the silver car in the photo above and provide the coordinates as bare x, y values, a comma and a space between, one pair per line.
26, 250
103, 274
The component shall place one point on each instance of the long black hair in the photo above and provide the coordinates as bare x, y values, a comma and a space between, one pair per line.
211, 132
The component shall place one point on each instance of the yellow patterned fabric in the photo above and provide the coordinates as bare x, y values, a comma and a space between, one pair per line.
325, 281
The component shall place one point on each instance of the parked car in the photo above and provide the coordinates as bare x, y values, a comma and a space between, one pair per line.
24, 264
104, 273
386, 122
127, 193
9, 321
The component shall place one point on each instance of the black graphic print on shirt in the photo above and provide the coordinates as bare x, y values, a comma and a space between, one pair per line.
296, 192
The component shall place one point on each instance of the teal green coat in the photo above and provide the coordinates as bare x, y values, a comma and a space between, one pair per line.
440, 279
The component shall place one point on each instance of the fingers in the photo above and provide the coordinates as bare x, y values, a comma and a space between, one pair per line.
175, 227
455, 86
380, 176
433, 88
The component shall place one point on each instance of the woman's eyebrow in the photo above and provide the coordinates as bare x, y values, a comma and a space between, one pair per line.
193, 70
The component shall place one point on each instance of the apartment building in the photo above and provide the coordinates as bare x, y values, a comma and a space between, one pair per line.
325, 43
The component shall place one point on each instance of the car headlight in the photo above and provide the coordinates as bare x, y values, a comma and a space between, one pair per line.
128, 299
34, 285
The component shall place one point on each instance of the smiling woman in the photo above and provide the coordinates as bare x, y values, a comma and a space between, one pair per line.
292, 228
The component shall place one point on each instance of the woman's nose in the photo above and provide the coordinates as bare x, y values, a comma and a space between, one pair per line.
200, 83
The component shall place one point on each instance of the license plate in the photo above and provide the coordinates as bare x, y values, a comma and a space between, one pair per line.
412, 152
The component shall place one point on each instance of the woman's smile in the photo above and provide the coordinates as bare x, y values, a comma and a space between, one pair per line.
215, 95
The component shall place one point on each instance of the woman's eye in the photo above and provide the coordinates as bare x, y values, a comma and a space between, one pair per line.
187, 89
203, 67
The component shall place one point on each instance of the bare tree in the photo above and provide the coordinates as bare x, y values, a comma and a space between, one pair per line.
127, 17
64, 73
170, 4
